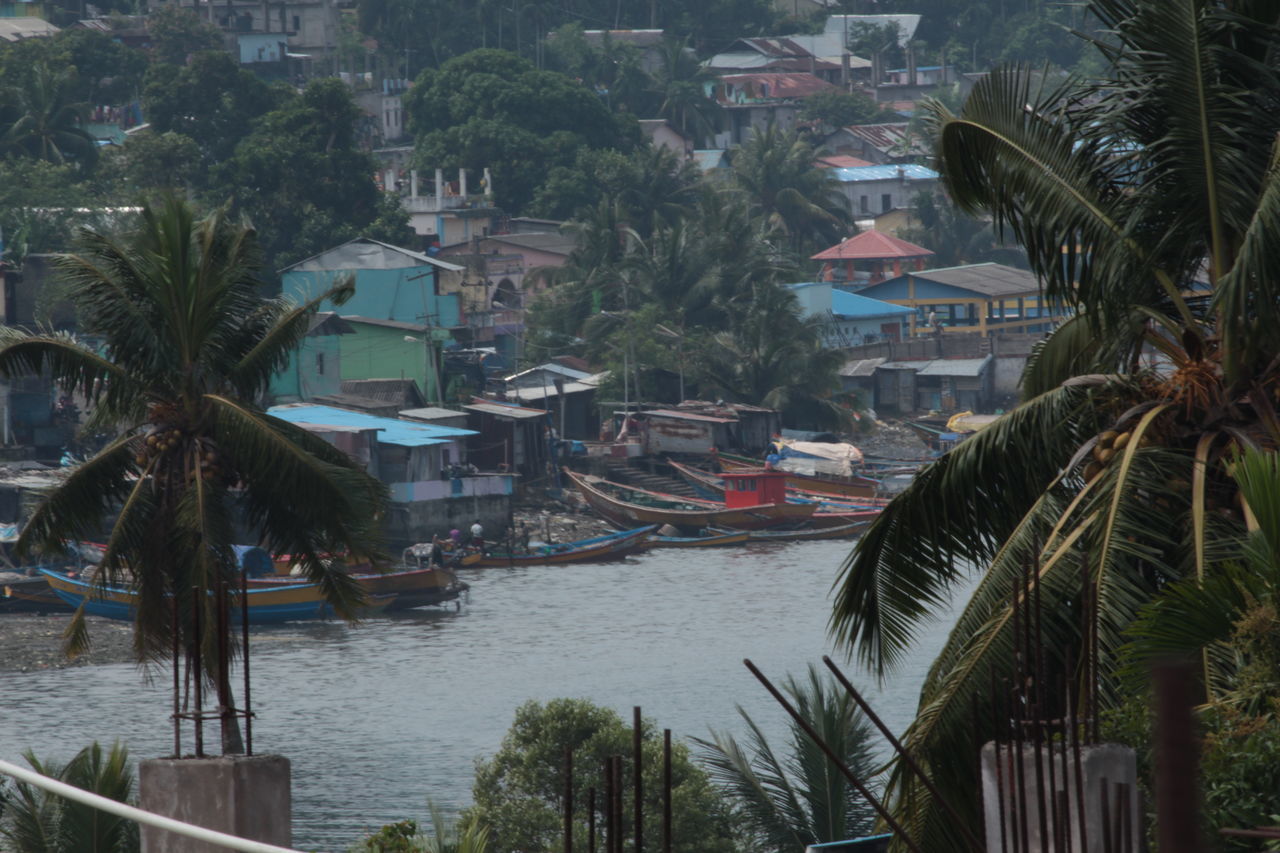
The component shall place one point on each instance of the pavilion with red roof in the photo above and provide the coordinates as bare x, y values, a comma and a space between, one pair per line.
879, 256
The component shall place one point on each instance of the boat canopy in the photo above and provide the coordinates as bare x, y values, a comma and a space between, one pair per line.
811, 457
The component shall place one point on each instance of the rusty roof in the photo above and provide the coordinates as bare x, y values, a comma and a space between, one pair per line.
687, 416
782, 85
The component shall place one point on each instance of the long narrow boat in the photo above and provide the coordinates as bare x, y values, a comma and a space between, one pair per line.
611, 546
626, 506
854, 486
20, 593
715, 540
844, 531
266, 606
408, 588
711, 486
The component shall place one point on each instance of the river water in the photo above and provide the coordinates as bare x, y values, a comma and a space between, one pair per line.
379, 717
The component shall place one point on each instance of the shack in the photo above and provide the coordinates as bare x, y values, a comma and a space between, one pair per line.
509, 438
672, 431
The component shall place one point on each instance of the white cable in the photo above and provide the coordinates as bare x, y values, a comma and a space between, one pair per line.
115, 807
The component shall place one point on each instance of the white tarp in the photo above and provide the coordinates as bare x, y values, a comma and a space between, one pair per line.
812, 457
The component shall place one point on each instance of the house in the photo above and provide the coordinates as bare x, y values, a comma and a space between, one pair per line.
309, 29
849, 319
510, 438
869, 257
892, 142
940, 384
450, 212
498, 286
20, 27
858, 376
695, 426
381, 397
399, 294
804, 54
880, 189
752, 102
569, 394
419, 464
972, 299
316, 369
662, 134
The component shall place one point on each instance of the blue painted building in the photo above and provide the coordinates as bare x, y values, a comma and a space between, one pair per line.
851, 319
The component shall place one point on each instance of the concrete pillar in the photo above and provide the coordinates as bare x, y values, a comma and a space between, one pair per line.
488, 182
439, 185
462, 183
1103, 767
413, 183
248, 796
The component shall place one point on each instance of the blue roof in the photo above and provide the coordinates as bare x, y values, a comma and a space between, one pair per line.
390, 430
852, 305
886, 172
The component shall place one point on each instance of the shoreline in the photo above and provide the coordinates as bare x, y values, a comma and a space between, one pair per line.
31, 642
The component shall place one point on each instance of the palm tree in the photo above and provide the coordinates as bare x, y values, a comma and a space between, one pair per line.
680, 82
46, 122
1149, 203
188, 347
787, 803
775, 173
36, 821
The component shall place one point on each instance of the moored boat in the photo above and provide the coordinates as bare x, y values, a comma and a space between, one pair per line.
854, 486
626, 506
407, 588
611, 546
844, 531
268, 605
710, 486
22, 593
712, 540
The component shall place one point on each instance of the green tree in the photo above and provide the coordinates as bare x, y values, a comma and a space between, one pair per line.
493, 109
1122, 480
109, 71
301, 177
774, 171
956, 237
149, 161
178, 34
44, 121
446, 837
213, 101
832, 110
41, 205
518, 793
791, 801
33, 820
680, 83
188, 345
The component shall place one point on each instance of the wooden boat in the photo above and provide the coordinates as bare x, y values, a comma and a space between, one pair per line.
711, 486
626, 506
714, 540
407, 588
611, 546
269, 605
854, 487
20, 593
844, 531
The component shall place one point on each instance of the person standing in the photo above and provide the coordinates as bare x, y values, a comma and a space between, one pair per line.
477, 535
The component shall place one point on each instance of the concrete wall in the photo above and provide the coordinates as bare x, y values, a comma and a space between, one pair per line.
381, 352
1102, 766
406, 294
248, 796
315, 369
410, 523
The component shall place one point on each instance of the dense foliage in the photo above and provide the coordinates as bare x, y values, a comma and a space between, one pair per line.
519, 791
1147, 201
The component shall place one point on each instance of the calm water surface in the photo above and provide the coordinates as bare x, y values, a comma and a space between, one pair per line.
380, 717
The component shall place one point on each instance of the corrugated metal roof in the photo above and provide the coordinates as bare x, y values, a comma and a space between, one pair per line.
892, 138
687, 416
25, 27
542, 392
782, 85
987, 279
551, 367
501, 411
392, 324
390, 430
861, 367
431, 413
556, 244
885, 172
852, 305
942, 366
364, 253
403, 392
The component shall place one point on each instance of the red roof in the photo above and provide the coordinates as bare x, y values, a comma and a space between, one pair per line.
871, 245
767, 86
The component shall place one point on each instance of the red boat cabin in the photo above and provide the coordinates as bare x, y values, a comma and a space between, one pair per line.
754, 488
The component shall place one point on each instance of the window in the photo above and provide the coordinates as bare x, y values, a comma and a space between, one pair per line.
297, 23
886, 203
319, 364
864, 204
